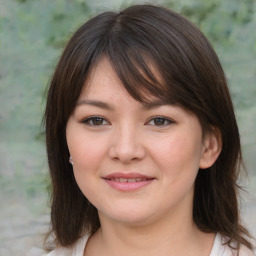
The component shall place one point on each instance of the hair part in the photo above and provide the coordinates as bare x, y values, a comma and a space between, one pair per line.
155, 52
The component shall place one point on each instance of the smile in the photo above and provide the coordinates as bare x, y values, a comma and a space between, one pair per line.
128, 181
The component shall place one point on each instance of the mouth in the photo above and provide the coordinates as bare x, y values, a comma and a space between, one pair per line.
128, 182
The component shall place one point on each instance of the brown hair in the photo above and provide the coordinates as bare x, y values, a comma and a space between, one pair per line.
191, 77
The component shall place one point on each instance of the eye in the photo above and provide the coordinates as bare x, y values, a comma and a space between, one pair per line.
160, 121
95, 121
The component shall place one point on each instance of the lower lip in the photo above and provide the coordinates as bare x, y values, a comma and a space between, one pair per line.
128, 186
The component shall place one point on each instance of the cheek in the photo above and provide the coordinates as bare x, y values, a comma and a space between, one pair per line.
84, 147
178, 155
87, 155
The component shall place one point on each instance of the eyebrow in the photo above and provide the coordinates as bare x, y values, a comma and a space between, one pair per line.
104, 105
96, 103
155, 104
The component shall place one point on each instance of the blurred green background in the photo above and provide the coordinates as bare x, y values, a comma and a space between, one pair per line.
32, 36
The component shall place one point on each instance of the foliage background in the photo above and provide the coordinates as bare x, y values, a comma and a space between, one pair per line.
32, 36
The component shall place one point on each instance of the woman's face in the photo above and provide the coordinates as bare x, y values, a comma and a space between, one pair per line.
135, 163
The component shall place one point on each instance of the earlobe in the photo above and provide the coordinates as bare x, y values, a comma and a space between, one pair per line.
211, 148
70, 160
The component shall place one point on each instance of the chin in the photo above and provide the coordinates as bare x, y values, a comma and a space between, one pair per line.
128, 216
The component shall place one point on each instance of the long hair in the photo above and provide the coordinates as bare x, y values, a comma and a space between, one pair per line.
190, 75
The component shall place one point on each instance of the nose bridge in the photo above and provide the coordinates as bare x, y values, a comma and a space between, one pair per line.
127, 144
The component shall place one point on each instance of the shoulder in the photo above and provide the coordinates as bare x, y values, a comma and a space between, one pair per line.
76, 250
220, 249
244, 251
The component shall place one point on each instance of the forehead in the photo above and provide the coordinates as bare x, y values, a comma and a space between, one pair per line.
101, 76
103, 79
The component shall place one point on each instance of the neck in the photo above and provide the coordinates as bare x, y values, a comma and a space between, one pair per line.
176, 236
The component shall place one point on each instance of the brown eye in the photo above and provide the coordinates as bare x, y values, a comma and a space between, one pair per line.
95, 121
160, 121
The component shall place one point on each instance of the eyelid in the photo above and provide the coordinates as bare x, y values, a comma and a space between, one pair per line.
86, 120
169, 121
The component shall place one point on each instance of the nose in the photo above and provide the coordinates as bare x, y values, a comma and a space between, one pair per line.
126, 145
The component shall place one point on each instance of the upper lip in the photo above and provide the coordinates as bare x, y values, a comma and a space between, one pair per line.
131, 175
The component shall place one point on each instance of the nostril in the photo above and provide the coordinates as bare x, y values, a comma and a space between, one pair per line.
126, 145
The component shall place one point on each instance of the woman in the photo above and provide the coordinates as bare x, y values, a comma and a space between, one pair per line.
142, 141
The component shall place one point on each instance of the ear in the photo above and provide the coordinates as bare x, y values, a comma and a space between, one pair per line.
211, 148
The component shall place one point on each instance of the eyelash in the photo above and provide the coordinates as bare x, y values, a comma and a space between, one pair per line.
167, 121
89, 121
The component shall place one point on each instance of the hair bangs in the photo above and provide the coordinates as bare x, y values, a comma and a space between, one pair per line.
138, 73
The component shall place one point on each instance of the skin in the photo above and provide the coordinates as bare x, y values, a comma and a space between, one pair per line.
163, 142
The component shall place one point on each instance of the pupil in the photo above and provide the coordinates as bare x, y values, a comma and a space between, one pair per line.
159, 121
97, 121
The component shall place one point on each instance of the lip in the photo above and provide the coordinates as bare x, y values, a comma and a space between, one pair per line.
128, 181
131, 175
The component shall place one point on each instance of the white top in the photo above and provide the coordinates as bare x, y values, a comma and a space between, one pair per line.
218, 249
